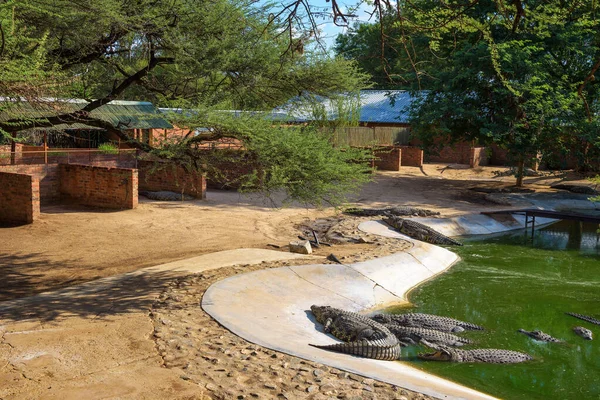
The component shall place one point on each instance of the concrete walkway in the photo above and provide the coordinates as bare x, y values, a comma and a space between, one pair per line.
93, 340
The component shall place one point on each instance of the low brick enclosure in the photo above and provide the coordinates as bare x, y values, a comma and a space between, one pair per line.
19, 198
104, 187
47, 176
389, 159
411, 156
162, 176
392, 158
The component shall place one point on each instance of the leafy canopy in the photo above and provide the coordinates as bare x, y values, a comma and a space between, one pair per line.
190, 54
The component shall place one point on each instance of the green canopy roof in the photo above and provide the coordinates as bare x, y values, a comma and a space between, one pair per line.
121, 114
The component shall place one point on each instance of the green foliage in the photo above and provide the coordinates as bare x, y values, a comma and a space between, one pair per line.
298, 161
108, 148
522, 78
596, 180
191, 54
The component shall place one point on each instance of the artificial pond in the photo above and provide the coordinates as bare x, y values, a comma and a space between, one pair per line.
509, 282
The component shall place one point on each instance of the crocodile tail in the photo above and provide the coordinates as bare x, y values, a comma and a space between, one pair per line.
471, 327
364, 349
584, 317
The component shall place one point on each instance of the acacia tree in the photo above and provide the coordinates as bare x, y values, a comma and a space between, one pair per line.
520, 74
192, 54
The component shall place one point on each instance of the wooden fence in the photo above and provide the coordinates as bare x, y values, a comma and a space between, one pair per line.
363, 136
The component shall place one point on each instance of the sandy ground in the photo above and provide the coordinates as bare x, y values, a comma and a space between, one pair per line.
149, 338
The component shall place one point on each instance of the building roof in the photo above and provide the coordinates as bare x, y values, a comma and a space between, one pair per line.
121, 114
376, 106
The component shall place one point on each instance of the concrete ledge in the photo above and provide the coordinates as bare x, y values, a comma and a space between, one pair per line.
270, 308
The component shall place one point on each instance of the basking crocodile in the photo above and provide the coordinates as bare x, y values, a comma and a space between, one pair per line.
417, 230
164, 195
364, 337
584, 317
539, 335
427, 321
412, 335
399, 211
583, 332
493, 356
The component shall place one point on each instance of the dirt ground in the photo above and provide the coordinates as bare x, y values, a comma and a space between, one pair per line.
174, 349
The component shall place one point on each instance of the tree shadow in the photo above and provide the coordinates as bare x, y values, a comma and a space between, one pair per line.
100, 298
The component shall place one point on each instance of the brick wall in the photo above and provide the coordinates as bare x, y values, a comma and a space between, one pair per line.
19, 198
458, 153
478, 157
388, 159
163, 176
99, 186
5, 153
48, 178
412, 156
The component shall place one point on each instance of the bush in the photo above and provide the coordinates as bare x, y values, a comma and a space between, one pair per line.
108, 148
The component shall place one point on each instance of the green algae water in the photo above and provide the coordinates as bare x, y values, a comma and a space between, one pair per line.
506, 283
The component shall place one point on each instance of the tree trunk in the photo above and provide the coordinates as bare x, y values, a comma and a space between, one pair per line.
520, 172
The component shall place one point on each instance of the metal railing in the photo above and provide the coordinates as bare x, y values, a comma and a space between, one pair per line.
68, 156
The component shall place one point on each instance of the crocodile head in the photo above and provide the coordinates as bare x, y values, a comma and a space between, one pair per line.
382, 318
442, 354
322, 313
393, 221
583, 332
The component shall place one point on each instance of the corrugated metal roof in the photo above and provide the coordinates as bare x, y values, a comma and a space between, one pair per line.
119, 113
377, 106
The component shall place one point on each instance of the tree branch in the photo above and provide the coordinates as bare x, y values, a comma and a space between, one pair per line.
589, 78
83, 115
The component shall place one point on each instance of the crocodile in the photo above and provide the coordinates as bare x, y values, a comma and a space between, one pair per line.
363, 336
417, 230
493, 356
164, 195
583, 332
584, 317
427, 321
399, 211
411, 335
541, 336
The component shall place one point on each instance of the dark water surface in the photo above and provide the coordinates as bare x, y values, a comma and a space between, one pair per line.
507, 283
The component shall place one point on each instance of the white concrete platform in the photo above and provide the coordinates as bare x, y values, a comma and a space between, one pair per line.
271, 308
479, 224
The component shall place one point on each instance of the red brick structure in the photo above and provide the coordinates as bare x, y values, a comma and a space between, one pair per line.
19, 198
411, 156
388, 159
46, 175
99, 186
163, 176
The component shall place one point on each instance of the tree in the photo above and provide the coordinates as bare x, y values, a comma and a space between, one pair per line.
519, 74
192, 54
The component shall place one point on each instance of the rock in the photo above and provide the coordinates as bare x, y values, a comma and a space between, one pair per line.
300, 247
312, 388
328, 387
318, 373
270, 386
211, 387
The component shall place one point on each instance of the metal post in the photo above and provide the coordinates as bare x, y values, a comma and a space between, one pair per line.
45, 147
532, 226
